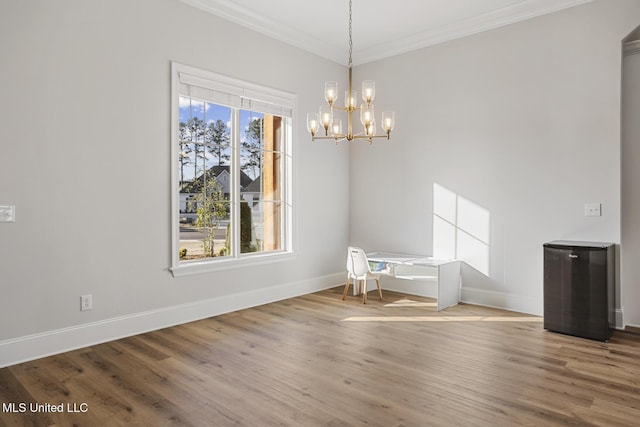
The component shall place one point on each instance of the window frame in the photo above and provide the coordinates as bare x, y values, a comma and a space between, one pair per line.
243, 90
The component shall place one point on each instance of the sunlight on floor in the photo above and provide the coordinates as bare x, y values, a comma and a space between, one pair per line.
441, 319
406, 302
410, 303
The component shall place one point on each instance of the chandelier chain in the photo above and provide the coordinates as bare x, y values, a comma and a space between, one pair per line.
350, 39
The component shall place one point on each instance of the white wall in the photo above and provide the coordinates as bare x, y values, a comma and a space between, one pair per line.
523, 121
85, 149
630, 244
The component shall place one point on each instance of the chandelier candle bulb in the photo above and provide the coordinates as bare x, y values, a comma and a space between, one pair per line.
366, 115
388, 121
350, 99
331, 92
336, 128
313, 124
368, 91
326, 117
371, 130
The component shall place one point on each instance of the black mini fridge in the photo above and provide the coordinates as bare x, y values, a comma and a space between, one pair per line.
579, 288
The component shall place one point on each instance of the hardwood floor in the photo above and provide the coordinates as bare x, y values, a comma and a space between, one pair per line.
316, 360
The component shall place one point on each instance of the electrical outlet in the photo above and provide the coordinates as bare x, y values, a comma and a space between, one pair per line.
86, 302
592, 209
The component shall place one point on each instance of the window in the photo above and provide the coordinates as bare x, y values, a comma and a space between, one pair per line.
231, 177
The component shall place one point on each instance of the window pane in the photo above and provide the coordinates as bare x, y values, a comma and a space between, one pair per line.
252, 140
208, 235
204, 179
261, 158
260, 226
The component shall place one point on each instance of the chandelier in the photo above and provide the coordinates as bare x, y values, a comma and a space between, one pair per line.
333, 126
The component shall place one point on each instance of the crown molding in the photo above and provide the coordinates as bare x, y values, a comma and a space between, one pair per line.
264, 25
521, 11
502, 17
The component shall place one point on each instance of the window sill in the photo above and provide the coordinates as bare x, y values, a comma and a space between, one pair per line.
212, 266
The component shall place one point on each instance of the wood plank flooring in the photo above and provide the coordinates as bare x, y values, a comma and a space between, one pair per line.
316, 360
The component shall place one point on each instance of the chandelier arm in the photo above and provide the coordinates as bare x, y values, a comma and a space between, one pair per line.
341, 136
369, 137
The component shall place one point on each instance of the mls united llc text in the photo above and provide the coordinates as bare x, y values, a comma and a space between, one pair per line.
34, 407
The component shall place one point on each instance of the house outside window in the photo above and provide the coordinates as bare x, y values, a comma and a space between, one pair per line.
231, 176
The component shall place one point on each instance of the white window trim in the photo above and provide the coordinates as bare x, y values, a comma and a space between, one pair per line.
241, 89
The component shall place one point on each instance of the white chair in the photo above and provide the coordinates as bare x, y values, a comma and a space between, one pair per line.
358, 270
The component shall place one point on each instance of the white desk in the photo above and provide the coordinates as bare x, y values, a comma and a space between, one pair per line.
447, 272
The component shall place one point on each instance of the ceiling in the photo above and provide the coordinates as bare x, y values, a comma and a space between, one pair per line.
381, 28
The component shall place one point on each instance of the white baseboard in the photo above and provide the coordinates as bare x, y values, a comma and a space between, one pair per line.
519, 303
22, 349
511, 302
619, 319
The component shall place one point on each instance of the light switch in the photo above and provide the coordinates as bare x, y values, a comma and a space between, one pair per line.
7, 213
592, 209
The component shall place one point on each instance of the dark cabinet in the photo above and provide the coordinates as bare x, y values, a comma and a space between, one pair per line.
579, 288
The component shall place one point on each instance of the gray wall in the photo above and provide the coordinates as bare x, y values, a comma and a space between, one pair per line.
523, 121
84, 137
